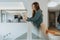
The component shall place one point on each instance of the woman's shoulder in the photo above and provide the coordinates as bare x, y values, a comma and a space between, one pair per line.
39, 12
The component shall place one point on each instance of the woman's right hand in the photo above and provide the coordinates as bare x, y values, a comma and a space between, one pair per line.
25, 17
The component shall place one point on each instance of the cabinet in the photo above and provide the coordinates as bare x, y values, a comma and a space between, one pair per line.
52, 19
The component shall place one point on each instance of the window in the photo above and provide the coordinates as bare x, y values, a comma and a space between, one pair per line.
12, 16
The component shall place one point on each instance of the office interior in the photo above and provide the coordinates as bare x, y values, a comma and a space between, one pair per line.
12, 26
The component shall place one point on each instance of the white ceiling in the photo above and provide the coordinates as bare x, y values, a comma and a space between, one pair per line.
54, 8
12, 5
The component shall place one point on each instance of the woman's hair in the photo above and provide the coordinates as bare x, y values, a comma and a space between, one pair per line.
36, 4
58, 19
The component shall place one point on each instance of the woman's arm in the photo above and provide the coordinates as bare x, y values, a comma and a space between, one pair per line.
36, 17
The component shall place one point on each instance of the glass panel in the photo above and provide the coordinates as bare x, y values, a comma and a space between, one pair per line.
35, 34
12, 16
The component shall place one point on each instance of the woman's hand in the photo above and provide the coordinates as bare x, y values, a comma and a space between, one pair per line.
25, 17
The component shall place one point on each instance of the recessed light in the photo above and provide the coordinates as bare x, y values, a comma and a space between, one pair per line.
52, 4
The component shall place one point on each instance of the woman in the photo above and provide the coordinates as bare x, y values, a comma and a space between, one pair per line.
37, 17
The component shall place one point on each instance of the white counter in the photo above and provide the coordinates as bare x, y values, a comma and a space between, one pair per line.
11, 31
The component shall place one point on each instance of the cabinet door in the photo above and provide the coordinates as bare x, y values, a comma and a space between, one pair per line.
52, 19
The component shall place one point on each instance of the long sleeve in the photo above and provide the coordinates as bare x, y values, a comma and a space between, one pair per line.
36, 17
41, 19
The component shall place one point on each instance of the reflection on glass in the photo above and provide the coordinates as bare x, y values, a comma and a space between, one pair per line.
58, 21
12, 16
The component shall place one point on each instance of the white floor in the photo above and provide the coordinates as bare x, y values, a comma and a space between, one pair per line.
53, 37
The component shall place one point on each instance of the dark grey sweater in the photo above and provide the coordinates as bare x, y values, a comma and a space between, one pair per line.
37, 19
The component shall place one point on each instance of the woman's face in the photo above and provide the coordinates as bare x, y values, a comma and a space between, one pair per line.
33, 7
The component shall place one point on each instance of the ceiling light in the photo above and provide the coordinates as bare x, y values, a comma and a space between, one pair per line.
52, 4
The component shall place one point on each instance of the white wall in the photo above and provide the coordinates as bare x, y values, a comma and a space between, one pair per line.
0, 16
